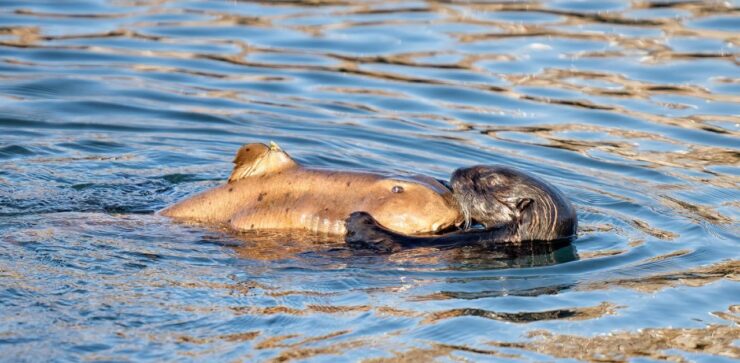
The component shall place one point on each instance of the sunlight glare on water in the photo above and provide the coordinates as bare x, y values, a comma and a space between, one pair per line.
111, 110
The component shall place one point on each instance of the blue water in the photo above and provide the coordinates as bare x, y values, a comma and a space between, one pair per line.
111, 110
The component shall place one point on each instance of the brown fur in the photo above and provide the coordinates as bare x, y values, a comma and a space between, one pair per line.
268, 190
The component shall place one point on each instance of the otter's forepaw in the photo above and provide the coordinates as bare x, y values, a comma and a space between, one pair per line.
364, 232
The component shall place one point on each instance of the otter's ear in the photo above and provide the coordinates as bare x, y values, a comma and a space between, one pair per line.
518, 205
523, 204
246, 158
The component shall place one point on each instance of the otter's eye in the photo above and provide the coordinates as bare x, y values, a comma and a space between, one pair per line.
397, 189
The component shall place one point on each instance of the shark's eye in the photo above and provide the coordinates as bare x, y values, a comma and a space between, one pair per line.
397, 189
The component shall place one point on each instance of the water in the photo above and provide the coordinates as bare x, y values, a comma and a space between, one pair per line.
111, 110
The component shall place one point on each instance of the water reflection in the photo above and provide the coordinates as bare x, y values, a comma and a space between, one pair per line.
112, 110
281, 245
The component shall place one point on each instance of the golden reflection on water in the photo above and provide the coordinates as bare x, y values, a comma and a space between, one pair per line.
622, 346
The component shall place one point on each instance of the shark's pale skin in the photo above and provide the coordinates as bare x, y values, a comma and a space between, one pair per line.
268, 190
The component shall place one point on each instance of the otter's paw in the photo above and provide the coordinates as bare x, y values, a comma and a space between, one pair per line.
364, 232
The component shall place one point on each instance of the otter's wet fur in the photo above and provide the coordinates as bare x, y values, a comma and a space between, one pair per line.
499, 195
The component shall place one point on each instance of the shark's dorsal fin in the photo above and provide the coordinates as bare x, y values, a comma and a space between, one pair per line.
259, 159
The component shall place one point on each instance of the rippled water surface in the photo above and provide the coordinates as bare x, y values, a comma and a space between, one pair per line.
111, 110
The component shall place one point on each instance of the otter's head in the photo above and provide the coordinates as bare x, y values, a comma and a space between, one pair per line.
499, 195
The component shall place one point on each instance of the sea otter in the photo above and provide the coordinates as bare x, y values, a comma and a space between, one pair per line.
268, 190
